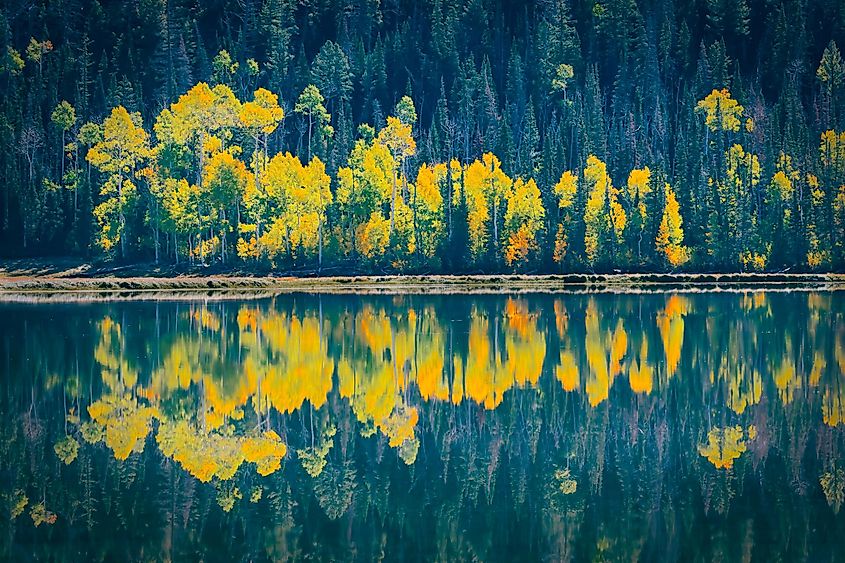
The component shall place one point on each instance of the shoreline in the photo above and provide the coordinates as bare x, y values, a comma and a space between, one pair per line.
19, 283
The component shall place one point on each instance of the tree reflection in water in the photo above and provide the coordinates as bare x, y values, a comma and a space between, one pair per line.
665, 426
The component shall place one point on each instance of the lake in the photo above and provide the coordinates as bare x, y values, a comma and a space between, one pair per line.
495, 427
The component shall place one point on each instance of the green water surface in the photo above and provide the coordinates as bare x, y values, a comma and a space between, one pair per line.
610, 427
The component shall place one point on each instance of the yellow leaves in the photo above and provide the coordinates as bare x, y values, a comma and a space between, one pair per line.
565, 483
670, 234
225, 178
618, 217
40, 515
566, 188
782, 184
265, 451
207, 455
832, 149
484, 186
833, 407
833, 486
725, 445
66, 449
313, 459
721, 112
17, 503
227, 496
126, 423
92, 432
298, 196
398, 137
495, 365
212, 145
524, 219
456, 169
12, 63
744, 384
639, 183
786, 381
428, 202
199, 112
640, 376
670, 322
307, 369
755, 260
400, 425
374, 235
603, 212
639, 186
478, 214
519, 245
124, 144
378, 170
120, 153
561, 245
567, 371
743, 168
263, 113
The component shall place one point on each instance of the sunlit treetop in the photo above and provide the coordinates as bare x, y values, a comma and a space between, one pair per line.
566, 189
123, 145
721, 112
263, 112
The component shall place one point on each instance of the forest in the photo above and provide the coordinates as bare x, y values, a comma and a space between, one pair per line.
375, 136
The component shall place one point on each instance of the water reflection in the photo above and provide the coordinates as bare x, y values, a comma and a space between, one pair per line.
426, 427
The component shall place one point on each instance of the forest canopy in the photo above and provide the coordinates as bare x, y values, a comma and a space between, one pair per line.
432, 136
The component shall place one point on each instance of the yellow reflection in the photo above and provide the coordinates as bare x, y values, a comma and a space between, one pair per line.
671, 324
725, 445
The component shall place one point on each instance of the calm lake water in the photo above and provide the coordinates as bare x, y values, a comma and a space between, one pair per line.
659, 426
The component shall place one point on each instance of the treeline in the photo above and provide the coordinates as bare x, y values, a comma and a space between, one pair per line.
426, 136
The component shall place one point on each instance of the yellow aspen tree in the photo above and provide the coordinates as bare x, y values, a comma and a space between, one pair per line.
832, 186
604, 217
781, 205
428, 208
524, 220
818, 252
318, 198
721, 112
200, 112
670, 234
737, 196
399, 139
639, 188
260, 117
364, 189
120, 154
181, 202
453, 192
565, 190
282, 193
224, 183
485, 185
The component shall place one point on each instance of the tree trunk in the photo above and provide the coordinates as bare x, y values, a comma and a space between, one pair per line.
320, 245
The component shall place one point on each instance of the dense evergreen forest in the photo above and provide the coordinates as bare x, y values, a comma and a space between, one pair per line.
427, 136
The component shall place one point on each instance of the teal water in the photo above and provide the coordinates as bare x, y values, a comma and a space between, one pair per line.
609, 427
